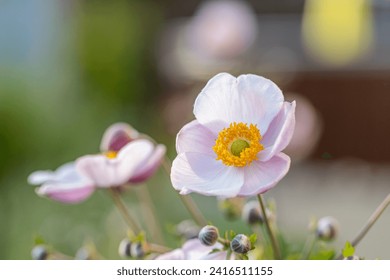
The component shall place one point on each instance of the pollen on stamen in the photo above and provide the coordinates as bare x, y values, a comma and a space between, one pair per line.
238, 144
111, 154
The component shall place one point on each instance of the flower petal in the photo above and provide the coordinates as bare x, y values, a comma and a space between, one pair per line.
249, 99
194, 137
117, 136
146, 170
67, 192
105, 172
262, 176
279, 133
200, 173
40, 177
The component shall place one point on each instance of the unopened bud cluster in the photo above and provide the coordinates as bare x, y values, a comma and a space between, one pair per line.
327, 228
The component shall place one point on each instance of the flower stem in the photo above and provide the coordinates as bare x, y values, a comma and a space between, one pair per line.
371, 221
124, 211
274, 243
157, 248
187, 200
308, 247
149, 213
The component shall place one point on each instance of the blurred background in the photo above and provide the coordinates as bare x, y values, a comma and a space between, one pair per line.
69, 69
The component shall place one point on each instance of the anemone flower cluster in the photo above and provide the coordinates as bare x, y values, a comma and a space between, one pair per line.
126, 157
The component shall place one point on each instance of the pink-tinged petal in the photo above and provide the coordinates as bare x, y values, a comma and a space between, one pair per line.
249, 99
203, 174
194, 137
146, 170
279, 132
106, 172
67, 192
262, 176
65, 172
117, 136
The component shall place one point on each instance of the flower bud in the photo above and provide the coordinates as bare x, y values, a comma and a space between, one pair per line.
129, 249
208, 235
124, 248
83, 254
137, 250
240, 244
251, 213
39, 252
327, 228
187, 229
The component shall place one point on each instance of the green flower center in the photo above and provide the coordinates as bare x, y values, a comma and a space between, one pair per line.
238, 146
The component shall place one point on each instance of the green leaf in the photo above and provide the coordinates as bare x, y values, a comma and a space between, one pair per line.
215, 250
348, 250
253, 239
232, 234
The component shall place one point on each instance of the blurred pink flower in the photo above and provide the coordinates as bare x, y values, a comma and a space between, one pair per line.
64, 184
233, 148
126, 158
193, 249
222, 28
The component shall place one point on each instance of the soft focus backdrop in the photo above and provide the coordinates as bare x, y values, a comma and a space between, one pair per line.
69, 69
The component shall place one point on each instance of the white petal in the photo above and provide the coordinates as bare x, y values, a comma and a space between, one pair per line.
279, 133
146, 170
40, 177
194, 137
249, 99
105, 172
262, 176
200, 173
176, 254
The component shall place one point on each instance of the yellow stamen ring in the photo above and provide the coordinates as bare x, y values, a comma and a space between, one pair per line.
238, 145
111, 154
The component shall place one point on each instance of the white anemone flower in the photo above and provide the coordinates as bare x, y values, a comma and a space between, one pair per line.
233, 148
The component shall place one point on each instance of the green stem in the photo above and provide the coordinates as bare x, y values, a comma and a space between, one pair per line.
371, 221
308, 247
274, 243
187, 200
124, 211
149, 213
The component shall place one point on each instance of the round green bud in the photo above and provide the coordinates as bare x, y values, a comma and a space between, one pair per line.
208, 235
240, 244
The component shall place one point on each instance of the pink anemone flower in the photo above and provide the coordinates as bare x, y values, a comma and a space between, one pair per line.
126, 158
193, 249
233, 148
64, 184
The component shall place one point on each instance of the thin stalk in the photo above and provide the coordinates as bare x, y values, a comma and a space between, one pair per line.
308, 247
124, 211
157, 248
187, 200
371, 221
149, 213
274, 243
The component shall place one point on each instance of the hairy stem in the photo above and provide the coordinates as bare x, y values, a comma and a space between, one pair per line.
187, 200
124, 211
274, 243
